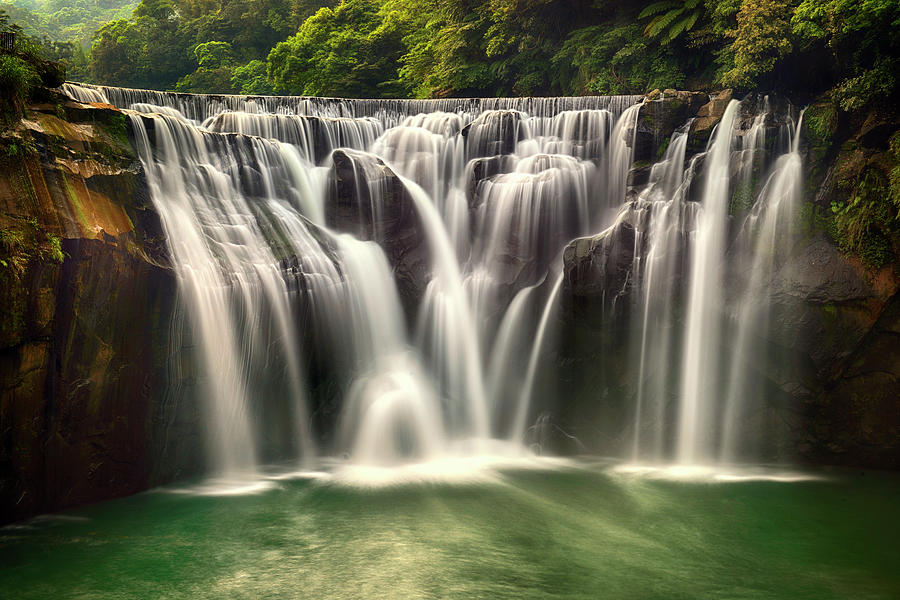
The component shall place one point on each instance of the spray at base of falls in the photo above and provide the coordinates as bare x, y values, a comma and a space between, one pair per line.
283, 293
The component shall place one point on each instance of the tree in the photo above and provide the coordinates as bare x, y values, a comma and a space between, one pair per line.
761, 39
212, 55
617, 60
252, 78
352, 50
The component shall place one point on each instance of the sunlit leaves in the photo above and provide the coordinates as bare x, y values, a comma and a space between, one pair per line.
351, 50
760, 40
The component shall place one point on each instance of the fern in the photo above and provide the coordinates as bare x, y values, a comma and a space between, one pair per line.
671, 19
660, 23
657, 7
680, 27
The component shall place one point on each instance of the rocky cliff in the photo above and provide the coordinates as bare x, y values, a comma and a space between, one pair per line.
88, 303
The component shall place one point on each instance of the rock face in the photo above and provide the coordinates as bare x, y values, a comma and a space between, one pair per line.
708, 115
664, 112
855, 419
598, 266
88, 303
839, 325
368, 200
482, 169
494, 132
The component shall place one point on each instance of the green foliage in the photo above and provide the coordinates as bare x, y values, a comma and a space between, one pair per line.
671, 18
880, 81
760, 41
22, 72
861, 37
169, 44
25, 241
17, 148
150, 50
869, 219
17, 80
352, 50
212, 55
618, 60
446, 51
68, 23
742, 199
209, 81
252, 78
821, 121
214, 72
812, 219
435, 48
894, 176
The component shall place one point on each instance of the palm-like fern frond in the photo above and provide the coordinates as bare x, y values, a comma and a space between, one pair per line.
680, 27
671, 18
658, 7
661, 23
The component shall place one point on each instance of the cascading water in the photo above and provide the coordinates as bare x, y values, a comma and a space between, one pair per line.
766, 234
704, 300
408, 254
695, 379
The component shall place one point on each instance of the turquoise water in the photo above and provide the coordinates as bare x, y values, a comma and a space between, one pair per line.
578, 531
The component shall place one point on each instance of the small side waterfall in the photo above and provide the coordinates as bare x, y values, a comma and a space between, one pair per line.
710, 241
381, 280
229, 277
767, 234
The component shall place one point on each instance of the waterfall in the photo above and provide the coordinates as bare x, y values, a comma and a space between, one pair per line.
769, 222
228, 275
709, 239
665, 211
701, 352
378, 279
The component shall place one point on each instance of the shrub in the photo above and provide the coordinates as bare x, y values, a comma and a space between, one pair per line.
867, 221
17, 81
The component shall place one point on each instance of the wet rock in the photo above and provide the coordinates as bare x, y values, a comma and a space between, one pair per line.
481, 169
818, 273
659, 116
369, 200
85, 339
855, 419
493, 132
707, 116
638, 177
876, 131
835, 324
600, 266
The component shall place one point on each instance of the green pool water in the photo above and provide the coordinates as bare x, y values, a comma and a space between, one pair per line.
580, 530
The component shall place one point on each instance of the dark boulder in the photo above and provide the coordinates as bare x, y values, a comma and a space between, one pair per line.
482, 169
600, 266
368, 200
660, 115
493, 132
